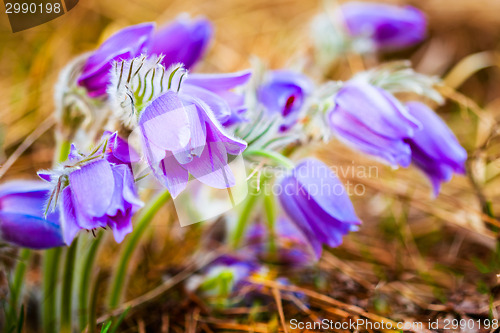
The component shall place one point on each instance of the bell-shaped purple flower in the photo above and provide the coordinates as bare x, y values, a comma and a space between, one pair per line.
22, 221
370, 119
216, 90
99, 195
435, 149
96, 191
125, 44
182, 41
181, 137
388, 27
284, 93
315, 199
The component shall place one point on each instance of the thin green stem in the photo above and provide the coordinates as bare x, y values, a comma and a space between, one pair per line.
270, 209
141, 225
50, 275
85, 278
243, 219
16, 287
62, 151
276, 157
51, 265
67, 287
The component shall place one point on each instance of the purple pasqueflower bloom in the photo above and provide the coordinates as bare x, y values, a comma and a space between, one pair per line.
388, 27
292, 246
181, 137
435, 149
185, 41
316, 201
284, 93
182, 41
22, 221
216, 91
370, 119
125, 44
95, 193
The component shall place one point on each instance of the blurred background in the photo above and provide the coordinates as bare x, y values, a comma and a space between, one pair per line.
414, 258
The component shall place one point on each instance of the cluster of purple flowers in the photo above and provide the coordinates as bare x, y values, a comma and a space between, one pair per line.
185, 124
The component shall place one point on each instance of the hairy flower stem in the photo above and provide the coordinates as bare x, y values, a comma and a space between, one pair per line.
50, 266
67, 287
85, 278
144, 220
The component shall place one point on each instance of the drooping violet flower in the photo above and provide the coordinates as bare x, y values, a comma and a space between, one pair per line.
184, 40
388, 27
284, 93
127, 43
22, 221
370, 119
315, 199
181, 137
216, 90
293, 248
435, 149
92, 192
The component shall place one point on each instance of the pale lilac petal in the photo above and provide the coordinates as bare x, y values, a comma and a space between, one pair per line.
93, 187
212, 168
173, 175
165, 122
69, 225
219, 82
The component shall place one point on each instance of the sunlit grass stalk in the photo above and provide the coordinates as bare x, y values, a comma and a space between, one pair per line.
85, 278
67, 287
270, 209
50, 265
144, 220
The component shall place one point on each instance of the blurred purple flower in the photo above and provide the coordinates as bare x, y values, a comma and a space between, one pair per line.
183, 41
388, 27
293, 248
125, 44
315, 199
22, 222
226, 275
284, 93
435, 149
370, 119
215, 90
181, 136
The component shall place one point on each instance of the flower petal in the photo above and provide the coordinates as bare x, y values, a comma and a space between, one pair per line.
93, 186
165, 122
